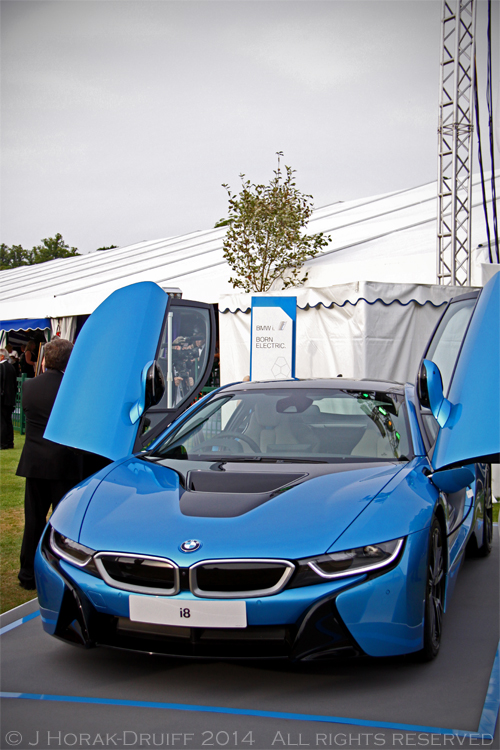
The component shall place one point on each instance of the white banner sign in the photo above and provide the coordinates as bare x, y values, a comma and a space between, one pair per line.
273, 338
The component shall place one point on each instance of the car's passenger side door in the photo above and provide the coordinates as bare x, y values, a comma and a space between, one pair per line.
459, 379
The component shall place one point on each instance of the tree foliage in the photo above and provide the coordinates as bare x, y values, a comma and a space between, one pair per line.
265, 240
12, 257
49, 249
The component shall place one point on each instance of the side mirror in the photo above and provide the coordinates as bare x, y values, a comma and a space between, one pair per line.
155, 385
152, 390
430, 391
453, 480
422, 390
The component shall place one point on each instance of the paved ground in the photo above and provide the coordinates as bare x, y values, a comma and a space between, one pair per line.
56, 696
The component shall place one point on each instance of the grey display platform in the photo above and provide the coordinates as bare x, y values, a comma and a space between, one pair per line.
57, 696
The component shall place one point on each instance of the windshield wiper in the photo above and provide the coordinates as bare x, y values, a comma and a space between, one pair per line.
272, 460
236, 459
281, 460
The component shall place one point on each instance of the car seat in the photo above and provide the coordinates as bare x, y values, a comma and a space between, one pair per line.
282, 432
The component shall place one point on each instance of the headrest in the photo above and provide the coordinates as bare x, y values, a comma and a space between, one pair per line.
266, 414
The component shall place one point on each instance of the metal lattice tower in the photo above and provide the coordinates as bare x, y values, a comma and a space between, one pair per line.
456, 112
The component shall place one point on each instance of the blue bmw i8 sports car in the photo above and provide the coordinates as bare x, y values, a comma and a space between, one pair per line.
297, 519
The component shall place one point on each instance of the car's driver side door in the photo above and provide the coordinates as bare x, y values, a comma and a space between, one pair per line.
139, 361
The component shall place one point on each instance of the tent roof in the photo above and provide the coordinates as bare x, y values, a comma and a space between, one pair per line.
387, 238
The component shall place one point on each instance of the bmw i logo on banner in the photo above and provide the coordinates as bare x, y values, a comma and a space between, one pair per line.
190, 545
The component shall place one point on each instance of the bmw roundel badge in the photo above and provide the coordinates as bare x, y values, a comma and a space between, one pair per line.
190, 545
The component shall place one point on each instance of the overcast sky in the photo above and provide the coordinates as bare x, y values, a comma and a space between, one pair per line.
120, 120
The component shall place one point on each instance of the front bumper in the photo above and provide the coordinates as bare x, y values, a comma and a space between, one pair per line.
378, 616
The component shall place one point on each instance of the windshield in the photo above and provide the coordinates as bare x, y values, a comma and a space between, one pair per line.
294, 424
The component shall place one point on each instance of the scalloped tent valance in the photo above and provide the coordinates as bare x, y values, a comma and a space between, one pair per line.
25, 324
359, 330
348, 294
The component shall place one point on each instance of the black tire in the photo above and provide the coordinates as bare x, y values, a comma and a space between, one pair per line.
434, 593
484, 548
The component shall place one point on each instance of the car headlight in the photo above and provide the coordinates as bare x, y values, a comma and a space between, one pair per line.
73, 552
371, 557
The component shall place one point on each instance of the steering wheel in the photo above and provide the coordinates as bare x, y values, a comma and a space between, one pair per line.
232, 436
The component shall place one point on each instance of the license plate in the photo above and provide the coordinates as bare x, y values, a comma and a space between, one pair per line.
188, 613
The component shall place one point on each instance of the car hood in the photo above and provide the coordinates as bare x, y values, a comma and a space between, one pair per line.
137, 508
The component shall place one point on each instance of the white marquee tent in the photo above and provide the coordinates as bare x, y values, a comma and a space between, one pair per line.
389, 239
371, 294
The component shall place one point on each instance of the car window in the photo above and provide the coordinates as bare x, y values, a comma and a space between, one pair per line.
183, 353
445, 345
323, 424
182, 357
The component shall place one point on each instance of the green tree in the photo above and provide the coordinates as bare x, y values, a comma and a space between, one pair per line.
49, 249
52, 248
222, 223
265, 240
12, 257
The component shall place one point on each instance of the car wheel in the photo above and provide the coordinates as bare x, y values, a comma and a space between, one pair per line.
484, 548
434, 594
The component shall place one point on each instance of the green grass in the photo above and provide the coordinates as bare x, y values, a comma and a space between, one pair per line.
12, 525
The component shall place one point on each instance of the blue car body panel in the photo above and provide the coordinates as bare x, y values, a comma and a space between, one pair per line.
104, 378
385, 615
50, 590
140, 510
68, 516
405, 506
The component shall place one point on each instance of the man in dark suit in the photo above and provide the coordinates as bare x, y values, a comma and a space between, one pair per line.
8, 390
51, 470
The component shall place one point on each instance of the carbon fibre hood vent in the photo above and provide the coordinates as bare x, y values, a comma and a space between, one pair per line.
235, 481
218, 494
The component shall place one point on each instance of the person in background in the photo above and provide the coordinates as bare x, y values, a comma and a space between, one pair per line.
28, 359
8, 389
51, 470
14, 361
